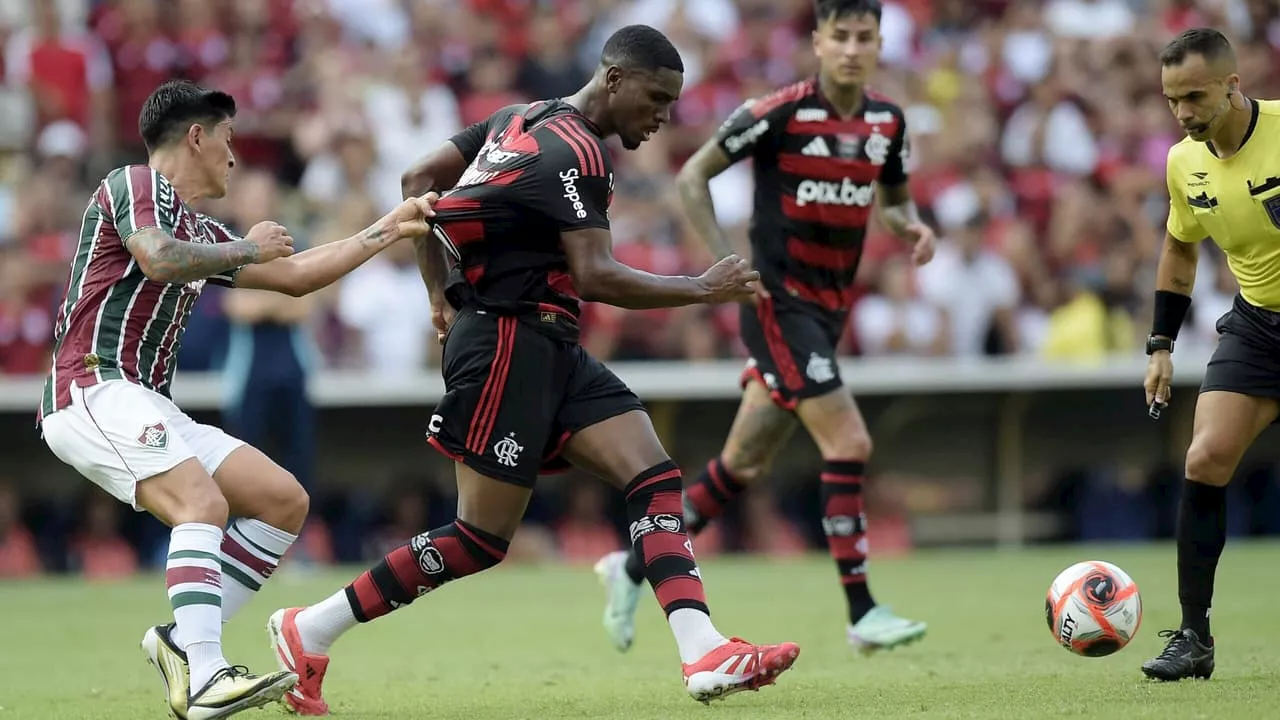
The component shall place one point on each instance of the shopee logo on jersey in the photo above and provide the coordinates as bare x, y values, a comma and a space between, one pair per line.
569, 178
829, 193
746, 137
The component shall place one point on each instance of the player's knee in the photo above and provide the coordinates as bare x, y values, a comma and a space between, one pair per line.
746, 467
204, 503
851, 445
293, 504
1211, 461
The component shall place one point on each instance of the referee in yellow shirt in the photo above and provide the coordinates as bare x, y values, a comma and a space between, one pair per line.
1224, 183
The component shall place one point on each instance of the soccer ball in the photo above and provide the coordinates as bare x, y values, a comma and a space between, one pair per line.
1093, 608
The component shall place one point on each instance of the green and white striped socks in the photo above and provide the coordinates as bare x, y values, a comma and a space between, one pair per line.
193, 576
251, 551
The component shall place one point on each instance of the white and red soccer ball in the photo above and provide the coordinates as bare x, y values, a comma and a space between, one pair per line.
1093, 608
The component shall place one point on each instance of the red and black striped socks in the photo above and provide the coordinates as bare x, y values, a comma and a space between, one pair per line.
658, 538
845, 525
423, 564
704, 500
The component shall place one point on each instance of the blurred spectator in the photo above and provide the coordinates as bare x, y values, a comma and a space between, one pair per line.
98, 549
65, 68
386, 303
977, 288
18, 554
270, 354
896, 321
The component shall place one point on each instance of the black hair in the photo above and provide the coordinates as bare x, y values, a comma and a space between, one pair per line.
1208, 43
640, 47
172, 108
835, 9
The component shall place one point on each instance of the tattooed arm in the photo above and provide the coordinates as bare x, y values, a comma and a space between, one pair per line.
167, 260
897, 210
320, 267
694, 184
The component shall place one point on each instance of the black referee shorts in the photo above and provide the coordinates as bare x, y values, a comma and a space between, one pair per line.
1247, 359
514, 396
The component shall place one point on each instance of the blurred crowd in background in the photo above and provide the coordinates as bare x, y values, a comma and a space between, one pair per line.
1038, 127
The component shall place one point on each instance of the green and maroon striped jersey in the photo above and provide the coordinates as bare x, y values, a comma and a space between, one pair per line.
115, 323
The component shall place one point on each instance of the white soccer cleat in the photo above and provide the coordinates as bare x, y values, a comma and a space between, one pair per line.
621, 598
233, 689
736, 666
171, 662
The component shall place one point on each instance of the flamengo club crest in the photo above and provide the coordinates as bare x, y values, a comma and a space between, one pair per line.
508, 450
154, 436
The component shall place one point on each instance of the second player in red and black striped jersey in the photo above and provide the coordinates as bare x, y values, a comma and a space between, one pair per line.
534, 171
816, 177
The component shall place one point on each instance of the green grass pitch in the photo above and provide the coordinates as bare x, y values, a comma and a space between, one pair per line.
525, 642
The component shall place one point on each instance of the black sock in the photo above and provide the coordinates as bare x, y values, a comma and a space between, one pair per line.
704, 500
1201, 533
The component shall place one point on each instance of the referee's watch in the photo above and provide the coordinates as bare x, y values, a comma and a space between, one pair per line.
1155, 343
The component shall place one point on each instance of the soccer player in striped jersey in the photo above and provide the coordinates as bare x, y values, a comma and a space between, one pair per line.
143, 258
524, 217
823, 151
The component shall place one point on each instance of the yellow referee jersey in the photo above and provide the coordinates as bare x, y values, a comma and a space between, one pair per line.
1235, 201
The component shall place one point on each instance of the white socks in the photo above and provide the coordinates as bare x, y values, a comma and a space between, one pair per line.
193, 576
695, 635
322, 623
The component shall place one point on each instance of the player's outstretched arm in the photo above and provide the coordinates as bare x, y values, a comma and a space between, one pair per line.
599, 277
164, 259
694, 184
320, 267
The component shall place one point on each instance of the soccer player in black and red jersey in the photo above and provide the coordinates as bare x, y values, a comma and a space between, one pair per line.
819, 149
523, 218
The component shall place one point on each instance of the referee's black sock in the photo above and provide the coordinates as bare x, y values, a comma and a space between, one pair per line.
1201, 533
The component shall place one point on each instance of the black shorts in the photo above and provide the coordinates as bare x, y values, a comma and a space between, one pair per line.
1247, 359
514, 396
793, 351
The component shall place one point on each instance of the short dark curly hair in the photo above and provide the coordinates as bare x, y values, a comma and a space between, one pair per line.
640, 47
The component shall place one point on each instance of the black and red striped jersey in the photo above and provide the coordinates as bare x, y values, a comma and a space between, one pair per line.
815, 183
534, 172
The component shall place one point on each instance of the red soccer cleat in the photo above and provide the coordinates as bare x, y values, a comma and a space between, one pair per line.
735, 666
304, 698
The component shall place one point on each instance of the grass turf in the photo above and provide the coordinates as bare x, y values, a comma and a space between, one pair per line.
525, 642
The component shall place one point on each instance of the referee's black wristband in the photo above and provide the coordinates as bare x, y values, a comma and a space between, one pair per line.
1171, 310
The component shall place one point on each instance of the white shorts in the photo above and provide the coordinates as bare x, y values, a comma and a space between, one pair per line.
118, 434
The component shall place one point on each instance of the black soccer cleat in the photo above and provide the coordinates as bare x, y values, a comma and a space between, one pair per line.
1184, 657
